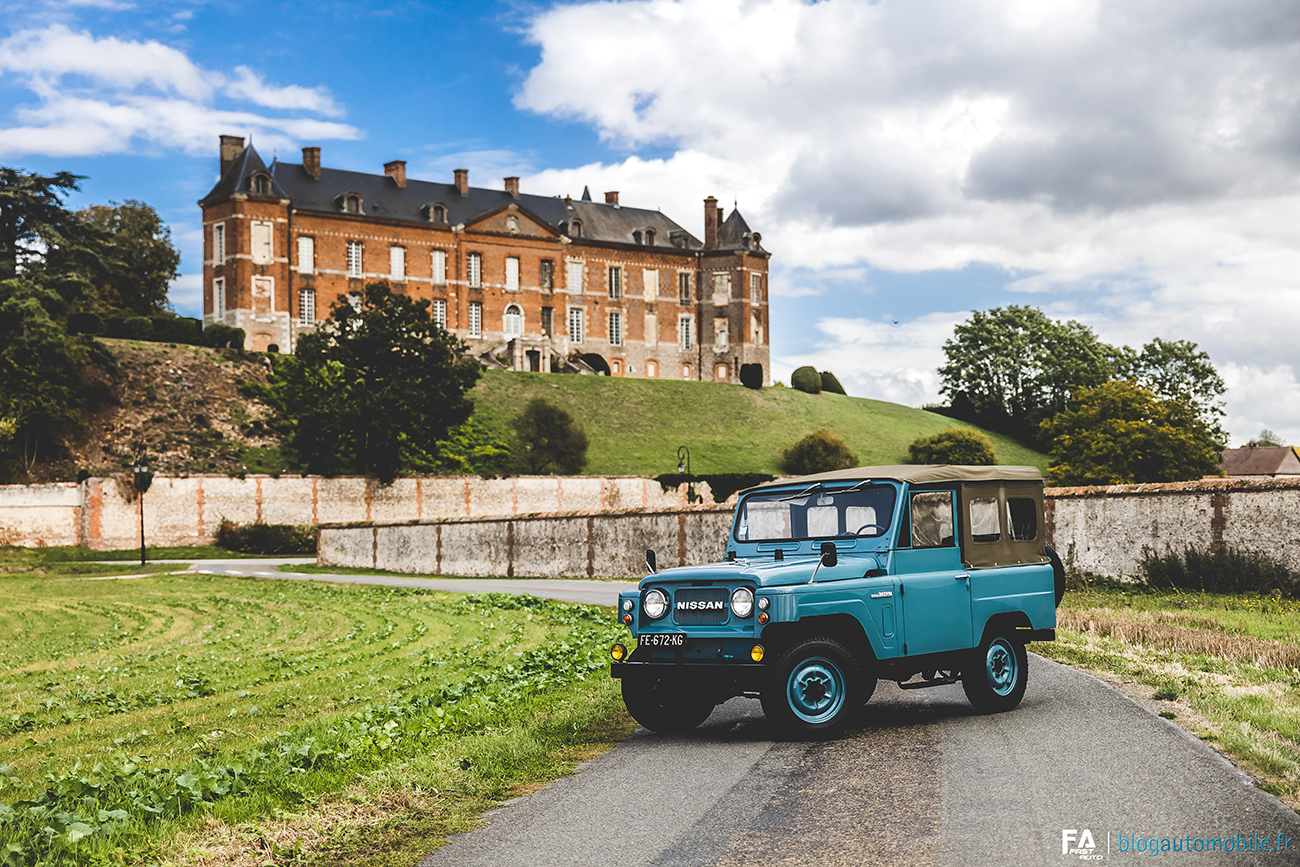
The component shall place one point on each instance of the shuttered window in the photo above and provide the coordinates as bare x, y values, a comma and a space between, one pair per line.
262, 247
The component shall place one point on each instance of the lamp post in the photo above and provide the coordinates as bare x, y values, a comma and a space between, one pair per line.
143, 478
683, 464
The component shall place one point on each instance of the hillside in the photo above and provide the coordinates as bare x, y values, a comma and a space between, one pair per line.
635, 425
185, 404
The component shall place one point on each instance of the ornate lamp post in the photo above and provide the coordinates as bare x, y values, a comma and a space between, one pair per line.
143, 478
683, 464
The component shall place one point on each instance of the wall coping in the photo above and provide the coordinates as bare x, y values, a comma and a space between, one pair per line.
529, 516
1199, 486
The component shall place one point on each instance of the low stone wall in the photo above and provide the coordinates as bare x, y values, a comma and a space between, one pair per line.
103, 513
1107, 529
601, 544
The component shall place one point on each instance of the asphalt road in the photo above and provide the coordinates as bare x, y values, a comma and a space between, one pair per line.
919, 780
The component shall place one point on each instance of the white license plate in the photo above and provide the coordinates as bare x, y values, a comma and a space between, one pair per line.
662, 639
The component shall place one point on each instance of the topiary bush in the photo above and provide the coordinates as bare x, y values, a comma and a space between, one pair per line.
807, 380
956, 445
818, 452
219, 335
751, 376
175, 329
830, 383
270, 539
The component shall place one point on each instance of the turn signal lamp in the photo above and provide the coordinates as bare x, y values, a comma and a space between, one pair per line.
756, 653
762, 617
627, 618
618, 651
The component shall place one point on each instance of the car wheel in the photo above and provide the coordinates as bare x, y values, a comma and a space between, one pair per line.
997, 675
665, 706
1058, 574
814, 688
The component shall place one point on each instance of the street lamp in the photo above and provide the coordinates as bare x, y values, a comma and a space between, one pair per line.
143, 478
683, 464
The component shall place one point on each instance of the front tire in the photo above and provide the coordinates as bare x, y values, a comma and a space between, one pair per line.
665, 706
814, 688
997, 675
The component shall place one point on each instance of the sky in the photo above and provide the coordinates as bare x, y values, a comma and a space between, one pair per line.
1131, 165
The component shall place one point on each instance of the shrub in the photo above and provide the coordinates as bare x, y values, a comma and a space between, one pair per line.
806, 379
956, 445
1227, 571
751, 376
550, 441
270, 539
818, 452
830, 383
129, 327
219, 334
85, 323
175, 329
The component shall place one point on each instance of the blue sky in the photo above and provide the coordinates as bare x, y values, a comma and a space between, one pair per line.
1133, 165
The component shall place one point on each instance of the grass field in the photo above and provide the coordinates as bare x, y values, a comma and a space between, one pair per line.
1227, 667
634, 426
189, 719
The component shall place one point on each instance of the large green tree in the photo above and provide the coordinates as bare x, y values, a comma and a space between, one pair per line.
550, 441
135, 278
1120, 433
375, 387
1176, 369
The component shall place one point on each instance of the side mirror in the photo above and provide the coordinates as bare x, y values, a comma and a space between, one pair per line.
650, 559
830, 556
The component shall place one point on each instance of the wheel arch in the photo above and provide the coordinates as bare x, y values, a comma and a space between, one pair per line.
844, 628
1005, 623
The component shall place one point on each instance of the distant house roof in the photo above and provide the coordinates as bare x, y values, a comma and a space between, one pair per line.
1266, 461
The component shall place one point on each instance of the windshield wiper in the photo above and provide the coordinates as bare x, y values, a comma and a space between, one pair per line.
801, 494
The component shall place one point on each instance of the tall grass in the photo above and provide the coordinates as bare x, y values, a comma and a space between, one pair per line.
1228, 571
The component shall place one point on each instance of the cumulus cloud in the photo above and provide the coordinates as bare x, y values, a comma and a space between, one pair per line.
97, 95
1134, 163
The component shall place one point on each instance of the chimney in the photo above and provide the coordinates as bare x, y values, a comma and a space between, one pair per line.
512, 186
231, 147
611, 198
397, 171
311, 161
462, 181
711, 212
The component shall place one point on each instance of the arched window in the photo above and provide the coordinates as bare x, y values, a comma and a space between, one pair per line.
649, 237
438, 214
514, 321
651, 369
262, 184
575, 229
352, 203
636, 236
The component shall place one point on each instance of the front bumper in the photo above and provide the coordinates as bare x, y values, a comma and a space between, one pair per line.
732, 678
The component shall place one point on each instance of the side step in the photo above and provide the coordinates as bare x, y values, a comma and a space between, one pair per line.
922, 684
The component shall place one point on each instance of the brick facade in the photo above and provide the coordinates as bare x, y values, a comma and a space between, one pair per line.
653, 301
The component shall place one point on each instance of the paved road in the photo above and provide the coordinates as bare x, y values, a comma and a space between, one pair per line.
920, 780
592, 592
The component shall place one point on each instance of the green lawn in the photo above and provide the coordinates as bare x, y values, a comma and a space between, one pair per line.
634, 426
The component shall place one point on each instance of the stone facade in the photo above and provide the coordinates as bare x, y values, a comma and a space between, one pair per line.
528, 282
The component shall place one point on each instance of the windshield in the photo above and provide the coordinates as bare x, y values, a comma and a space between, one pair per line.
817, 514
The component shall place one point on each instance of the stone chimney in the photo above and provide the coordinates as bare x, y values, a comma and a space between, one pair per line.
231, 147
512, 186
711, 218
311, 161
462, 181
397, 171
611, 198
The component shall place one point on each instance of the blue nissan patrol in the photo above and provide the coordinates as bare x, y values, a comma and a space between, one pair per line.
925, 575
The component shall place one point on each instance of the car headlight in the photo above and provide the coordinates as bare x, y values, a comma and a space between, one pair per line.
742, 602
655, 604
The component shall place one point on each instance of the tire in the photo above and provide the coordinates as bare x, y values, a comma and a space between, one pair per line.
814, 688
1058, 573
665, 706
997, 675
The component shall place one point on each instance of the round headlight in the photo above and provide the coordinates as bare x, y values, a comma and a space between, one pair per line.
627, 604
763, 602
655, 604
742, 602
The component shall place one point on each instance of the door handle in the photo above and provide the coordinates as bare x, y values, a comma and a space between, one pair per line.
962, 576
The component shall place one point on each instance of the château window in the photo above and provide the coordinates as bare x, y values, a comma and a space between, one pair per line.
352, 204
262, 184
650, 283
475, 319
438, 265
218, 243
575, 325
397, 263
306, 307
651, 330
548, 320
354, 258
306, 255
574, 278
262, 242
684, 288
615, 281
685, 332
636, 236
219, 299
651, 369
575, 229
440, 312
546, 276
513, 321
615, 328
649, 237
755, 289
474, 269
512, 274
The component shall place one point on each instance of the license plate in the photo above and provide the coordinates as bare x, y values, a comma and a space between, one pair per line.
662, 639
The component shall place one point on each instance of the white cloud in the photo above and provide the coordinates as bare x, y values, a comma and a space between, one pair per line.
105, 95
186, 295
1136, 165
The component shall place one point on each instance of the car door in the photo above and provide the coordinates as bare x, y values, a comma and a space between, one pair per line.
934, 585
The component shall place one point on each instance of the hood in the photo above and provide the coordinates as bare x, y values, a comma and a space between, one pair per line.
766, 572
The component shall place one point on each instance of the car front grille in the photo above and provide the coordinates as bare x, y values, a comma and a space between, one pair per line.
697, 605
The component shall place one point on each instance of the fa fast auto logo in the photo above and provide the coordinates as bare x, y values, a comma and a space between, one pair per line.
1079, 843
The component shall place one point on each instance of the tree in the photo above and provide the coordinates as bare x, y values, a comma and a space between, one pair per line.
375, 387
550, 441
144, 262
1179, 370
1266, 438
1011, 368
818, 452
1120, 433
956, 445
42, 241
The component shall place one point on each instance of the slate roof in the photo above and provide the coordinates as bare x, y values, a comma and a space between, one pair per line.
1261, 461
734, 234
381, 197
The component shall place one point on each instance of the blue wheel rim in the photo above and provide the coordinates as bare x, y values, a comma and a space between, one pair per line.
1001, 666
815, 690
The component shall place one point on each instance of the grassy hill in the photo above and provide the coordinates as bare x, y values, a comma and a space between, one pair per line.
634, 426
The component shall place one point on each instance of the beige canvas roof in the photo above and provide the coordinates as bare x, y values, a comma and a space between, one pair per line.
918, 474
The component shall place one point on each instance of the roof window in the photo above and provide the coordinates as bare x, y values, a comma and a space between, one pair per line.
352, 203
262, 184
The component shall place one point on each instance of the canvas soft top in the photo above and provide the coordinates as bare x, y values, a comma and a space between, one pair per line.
917, 474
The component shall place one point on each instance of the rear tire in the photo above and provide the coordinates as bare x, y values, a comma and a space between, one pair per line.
665, 706
1058, 574
996, 677
814, 688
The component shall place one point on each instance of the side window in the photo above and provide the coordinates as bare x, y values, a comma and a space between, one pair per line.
984, 519
932, 520
1022, 519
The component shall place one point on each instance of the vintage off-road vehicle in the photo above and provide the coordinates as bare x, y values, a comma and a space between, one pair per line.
925, 575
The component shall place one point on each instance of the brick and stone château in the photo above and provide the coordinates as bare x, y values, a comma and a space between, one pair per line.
529, 282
